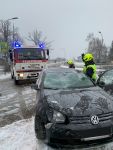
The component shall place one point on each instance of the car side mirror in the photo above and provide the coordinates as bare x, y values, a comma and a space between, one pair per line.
35, 86
48, 52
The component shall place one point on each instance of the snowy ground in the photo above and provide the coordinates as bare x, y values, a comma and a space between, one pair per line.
5, 76
20, 136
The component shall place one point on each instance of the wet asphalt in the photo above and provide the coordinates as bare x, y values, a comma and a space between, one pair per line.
16, 101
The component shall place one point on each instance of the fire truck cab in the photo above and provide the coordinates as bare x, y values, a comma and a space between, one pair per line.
27, 63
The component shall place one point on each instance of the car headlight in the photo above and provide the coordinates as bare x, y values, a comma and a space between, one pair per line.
58, 117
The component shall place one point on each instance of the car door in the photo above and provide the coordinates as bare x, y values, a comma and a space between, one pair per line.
105, 81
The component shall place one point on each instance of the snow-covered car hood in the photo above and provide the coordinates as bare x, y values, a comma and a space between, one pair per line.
87, 101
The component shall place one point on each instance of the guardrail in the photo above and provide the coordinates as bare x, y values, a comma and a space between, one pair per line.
80, 65
57, 64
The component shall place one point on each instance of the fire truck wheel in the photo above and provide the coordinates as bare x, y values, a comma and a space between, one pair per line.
16, 82
12, 77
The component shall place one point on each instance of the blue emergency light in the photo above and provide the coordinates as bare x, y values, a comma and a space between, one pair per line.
41, 45
16, 44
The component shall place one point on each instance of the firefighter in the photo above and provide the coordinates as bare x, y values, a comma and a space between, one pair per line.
89, 67
71, 63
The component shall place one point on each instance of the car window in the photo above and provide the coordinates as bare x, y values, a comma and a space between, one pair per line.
107, 77
65, 80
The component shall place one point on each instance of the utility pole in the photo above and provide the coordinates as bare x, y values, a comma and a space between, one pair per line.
101, 37
14, 27
101, 48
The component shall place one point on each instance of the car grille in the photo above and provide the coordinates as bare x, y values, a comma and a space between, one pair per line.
86, 119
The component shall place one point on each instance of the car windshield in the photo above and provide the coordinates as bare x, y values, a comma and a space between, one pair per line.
66, 80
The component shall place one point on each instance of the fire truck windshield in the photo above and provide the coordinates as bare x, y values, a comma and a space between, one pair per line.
29, 54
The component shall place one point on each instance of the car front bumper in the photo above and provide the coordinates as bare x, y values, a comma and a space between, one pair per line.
72, 132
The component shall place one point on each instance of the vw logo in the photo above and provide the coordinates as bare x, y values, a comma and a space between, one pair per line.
94, 119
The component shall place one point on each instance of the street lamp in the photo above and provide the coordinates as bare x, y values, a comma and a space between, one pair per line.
14, 18
102, 40
101, 37
13, 26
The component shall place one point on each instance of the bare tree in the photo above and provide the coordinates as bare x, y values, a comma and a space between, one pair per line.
5, 29
7, 33
97, 48
89, 37
37, 37
16, 36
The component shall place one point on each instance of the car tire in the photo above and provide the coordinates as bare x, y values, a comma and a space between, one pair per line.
40, 130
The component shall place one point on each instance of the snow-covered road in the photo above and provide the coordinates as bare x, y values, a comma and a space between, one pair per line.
20, 136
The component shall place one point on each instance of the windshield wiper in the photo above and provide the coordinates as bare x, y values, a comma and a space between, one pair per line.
51, 88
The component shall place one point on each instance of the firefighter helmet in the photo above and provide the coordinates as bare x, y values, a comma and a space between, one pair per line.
87, 57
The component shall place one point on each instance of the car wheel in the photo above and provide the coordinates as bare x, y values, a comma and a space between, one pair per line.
39, 128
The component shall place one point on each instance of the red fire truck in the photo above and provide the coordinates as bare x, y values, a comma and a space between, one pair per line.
27, 63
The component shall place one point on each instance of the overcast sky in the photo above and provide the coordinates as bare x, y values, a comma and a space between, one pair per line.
66, 22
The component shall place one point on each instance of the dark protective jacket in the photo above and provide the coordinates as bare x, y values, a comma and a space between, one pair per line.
72, 66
